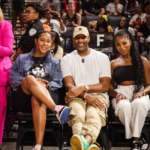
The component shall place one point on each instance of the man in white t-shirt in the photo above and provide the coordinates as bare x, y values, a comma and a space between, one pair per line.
114, 8
54, 5
86, 74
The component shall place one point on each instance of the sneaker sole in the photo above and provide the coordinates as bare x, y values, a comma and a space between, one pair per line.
76, 143
64, 115
94, 147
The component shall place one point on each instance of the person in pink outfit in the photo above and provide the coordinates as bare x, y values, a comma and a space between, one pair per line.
6, 49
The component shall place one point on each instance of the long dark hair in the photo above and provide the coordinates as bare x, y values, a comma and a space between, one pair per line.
42, 31
126, 25
56, 41
104, 25
137, 62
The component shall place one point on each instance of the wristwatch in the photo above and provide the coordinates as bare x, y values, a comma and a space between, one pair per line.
86, 87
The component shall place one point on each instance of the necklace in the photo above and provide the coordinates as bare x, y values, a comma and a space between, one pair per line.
125, 59
38, 60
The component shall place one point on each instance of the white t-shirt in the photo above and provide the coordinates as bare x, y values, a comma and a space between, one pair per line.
96, 65
55, 26
111, 8
142, 16
55, 5
131, 30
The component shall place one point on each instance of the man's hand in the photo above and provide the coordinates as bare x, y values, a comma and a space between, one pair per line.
68, 23
74, 92
95, 102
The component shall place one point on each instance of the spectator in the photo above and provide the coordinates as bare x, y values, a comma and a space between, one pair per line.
138, 18
56, 49
147, 9
93, 8
124, 25
81, 79
146, 2
37, 76
114, 9
144, 29
130, 8
18, 7
6, 49
33, 14
54, 5
56, 25
64, 6
105, 2
130, 100
146, 54
102, 25
71, 18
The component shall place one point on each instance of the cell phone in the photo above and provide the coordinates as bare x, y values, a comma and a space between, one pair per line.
48, 78
55, 16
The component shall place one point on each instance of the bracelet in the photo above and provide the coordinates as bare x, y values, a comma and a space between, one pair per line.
85, 95
143, 92
118, 95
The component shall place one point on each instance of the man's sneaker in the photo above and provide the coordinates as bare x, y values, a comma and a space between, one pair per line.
143, 143
62, 113
78, 142
94, 146
135, 145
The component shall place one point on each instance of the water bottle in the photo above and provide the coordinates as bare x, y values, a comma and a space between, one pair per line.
64, 147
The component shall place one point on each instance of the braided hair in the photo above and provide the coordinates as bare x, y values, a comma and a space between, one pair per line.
137, 62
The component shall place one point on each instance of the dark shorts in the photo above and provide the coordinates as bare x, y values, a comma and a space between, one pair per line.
18, 4
22, 101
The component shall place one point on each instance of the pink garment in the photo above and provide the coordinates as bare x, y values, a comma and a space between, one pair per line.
6, 48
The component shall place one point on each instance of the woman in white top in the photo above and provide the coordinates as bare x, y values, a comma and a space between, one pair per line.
56, 49
124, 25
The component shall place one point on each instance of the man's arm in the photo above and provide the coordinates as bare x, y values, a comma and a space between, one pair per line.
87, 13
119, 11
141, 36
102, 11
19, 51
80, 11
74, 91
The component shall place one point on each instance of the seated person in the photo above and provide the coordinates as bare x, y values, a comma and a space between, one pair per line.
130, 8
144, 29
138, 18
124, 25
114, 9
37, 76
146, 54
93, 8
54, 5
71, 18
56, 50
102, 25
56, 25
64, 6
130, 100
86, 88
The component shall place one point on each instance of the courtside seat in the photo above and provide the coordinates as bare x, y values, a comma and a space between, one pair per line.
114, 21
89, 18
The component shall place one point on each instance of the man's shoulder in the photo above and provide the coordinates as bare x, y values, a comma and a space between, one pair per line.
111, 4
98, 53
69, 56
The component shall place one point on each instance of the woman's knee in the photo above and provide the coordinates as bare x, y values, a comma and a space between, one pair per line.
124, 105
29, 79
